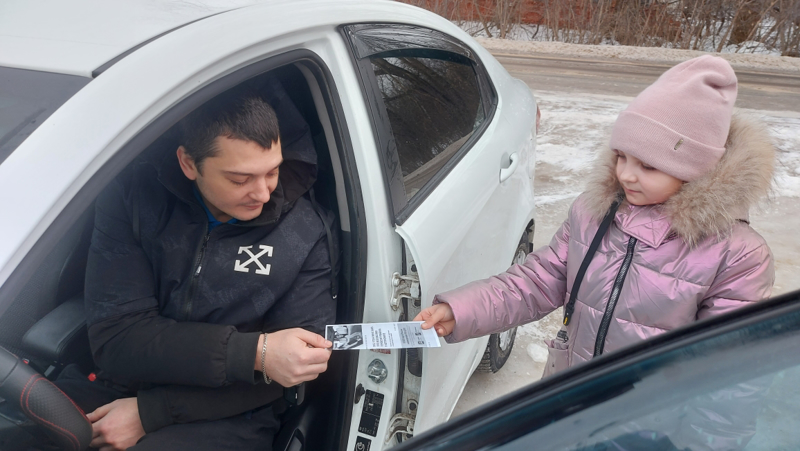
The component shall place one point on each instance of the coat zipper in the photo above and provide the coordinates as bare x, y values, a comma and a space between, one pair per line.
600, 341
187, 306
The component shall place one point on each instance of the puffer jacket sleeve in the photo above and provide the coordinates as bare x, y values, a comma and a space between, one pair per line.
129, 338
746, 275
177, 404
522, 294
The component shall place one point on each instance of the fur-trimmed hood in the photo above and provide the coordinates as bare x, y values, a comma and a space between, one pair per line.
712, 204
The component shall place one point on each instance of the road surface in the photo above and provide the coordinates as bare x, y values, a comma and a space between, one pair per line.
761, 90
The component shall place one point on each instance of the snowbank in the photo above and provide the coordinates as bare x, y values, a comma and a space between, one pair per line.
737, 60
575, 126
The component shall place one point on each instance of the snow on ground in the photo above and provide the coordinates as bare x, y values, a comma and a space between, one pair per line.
737, 60
574, 127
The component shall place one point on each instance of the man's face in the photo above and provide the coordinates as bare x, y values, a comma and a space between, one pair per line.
238, 181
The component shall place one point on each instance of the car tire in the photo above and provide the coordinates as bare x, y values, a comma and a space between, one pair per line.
500, 344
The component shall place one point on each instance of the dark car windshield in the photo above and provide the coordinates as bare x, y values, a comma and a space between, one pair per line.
27, 99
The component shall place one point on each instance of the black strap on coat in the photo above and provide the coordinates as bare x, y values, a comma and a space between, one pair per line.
573, 296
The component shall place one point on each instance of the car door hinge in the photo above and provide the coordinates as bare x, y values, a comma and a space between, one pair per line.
404, 287
401, 423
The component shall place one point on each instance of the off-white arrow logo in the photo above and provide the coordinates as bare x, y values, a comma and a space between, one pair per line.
262, 269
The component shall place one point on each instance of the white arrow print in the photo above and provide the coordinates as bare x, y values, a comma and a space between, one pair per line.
262, 269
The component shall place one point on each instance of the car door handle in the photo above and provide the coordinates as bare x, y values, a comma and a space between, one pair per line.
505, 173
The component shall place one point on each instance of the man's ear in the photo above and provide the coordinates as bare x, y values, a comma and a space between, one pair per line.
187, 164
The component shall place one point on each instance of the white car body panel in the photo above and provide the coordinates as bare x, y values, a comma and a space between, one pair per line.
448, 232
91, 127
86, 41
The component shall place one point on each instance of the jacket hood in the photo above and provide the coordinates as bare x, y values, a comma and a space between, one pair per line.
298, 172
711, 204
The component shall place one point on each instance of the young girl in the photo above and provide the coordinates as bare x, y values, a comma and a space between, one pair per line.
677, 182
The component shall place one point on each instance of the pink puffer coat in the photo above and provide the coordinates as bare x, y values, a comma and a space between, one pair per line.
692, 257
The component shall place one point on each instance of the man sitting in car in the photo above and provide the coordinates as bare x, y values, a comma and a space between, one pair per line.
208, 281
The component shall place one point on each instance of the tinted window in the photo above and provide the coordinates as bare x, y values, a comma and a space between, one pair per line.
28, 98
433, 105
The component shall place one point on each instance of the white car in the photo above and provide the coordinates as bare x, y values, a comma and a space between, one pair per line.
428, 143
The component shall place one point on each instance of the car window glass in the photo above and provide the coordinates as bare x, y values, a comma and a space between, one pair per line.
737, 391
433, 105
27, 98
370, 39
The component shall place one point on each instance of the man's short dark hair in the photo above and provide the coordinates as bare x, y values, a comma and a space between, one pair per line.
245, 116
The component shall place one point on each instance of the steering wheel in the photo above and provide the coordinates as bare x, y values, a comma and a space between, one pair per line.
43, 403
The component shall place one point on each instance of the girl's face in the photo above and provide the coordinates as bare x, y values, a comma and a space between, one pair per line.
643, 184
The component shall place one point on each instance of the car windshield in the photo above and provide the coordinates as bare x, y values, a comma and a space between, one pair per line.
27, 99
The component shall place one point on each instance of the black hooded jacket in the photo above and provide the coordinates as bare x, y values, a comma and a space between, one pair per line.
175, 311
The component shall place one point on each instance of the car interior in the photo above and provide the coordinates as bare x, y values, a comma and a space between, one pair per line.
45, 326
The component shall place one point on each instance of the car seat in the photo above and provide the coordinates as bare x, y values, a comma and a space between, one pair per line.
58, 279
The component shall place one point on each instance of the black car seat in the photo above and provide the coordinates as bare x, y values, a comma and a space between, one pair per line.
59, 278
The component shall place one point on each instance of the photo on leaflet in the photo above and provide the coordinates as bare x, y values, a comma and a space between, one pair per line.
345, 337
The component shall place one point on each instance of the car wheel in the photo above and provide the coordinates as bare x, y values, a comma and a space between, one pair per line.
499, 347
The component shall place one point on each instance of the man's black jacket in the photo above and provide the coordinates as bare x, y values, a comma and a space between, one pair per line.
177, 310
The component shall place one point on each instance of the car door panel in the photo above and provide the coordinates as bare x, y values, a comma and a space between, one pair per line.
463, 223
448, 238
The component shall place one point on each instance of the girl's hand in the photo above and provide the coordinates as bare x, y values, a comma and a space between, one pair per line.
440, 317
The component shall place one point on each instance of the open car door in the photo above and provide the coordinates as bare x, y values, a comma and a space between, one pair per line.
455, 139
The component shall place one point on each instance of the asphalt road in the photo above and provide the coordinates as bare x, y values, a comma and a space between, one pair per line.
762, 90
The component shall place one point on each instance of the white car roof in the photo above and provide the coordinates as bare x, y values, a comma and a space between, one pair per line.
78, 36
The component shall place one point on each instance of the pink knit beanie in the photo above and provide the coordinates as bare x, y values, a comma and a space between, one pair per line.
679, 124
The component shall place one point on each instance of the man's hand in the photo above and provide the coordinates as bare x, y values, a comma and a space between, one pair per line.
116, 426
294, 356
439, 316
